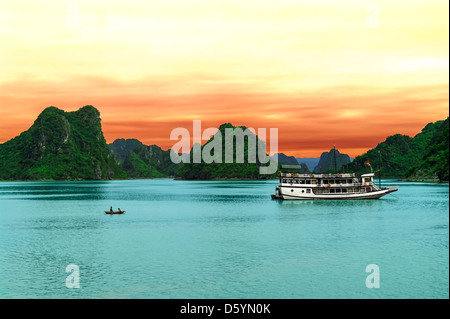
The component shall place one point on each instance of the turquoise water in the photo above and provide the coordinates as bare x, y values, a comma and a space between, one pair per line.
206, 239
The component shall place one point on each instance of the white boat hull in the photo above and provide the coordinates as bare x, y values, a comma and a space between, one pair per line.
362, 195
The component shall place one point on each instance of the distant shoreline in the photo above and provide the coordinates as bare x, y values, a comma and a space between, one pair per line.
402, 179
424, 179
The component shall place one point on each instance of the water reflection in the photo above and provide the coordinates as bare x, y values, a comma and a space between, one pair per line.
216, 240
360, 203
91, 190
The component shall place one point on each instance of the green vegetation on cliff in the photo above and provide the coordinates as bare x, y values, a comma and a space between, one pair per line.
434, 163
120, 148
331, 161
220, 169
60, 146
399, 154
149, 162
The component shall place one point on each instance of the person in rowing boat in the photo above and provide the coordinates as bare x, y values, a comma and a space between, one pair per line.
119, 210
111, 209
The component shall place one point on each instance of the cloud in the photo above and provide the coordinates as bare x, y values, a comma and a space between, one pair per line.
354, 118
312, 69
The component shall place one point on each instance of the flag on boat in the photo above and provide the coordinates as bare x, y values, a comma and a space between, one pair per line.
367, 163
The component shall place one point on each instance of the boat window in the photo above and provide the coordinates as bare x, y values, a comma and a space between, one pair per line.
308, 190
368, 189
303, 190
344, 190
314, 181
308, 181
319, 191
367, 179
331, 190
349, 181
325, 181
331, 181
326, 191
338, 190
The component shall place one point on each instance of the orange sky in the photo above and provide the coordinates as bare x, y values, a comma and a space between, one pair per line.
327, 72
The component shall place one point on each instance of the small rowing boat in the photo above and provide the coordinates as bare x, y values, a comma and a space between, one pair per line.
114, 212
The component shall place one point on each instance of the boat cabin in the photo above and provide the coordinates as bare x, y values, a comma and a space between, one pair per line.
328, 183
328, 186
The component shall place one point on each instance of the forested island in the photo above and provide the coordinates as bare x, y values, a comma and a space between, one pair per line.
70, 146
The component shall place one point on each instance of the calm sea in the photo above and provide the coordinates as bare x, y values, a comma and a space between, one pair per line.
207, 239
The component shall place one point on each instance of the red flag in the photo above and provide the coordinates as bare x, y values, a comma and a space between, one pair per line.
368, 163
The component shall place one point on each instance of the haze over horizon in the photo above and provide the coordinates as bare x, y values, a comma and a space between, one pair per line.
348, 73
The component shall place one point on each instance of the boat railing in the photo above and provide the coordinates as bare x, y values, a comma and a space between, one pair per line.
311, 175
348, 184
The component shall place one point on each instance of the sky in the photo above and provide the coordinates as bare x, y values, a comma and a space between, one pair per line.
345, 73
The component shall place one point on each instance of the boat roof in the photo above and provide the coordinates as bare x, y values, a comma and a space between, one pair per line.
368, 175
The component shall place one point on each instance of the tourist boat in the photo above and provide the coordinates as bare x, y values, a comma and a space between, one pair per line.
114, 212
329, 186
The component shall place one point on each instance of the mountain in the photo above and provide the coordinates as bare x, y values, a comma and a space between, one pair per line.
218, 168
149, 161
60, 146
284, 159
310, 162
332, 160
120, 148
434, 163
299, 168
142, 161
399, 154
